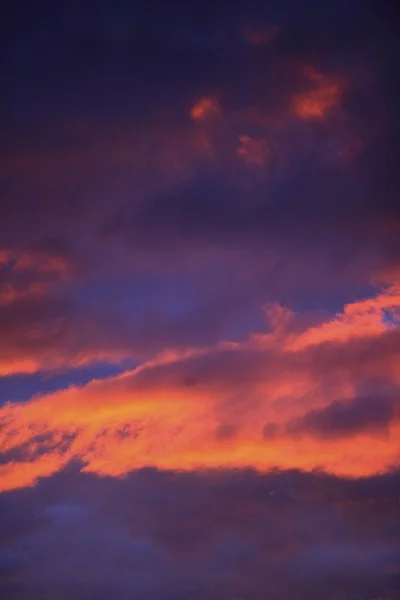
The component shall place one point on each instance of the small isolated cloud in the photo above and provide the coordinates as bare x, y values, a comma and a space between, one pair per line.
323, 94
204, 108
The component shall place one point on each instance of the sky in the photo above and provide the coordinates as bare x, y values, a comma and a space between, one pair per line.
199, 300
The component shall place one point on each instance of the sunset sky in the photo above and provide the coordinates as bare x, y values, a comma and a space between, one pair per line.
199, 300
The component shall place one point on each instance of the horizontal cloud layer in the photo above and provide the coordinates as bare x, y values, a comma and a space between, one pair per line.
223, 534
276, 400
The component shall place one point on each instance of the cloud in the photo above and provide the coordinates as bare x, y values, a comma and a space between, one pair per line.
199, 301
43, 326
205, 108
134, 147
347, 418
214, 534
151, 416
323, 96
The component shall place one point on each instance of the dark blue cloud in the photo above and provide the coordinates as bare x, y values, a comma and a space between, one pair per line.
216, 535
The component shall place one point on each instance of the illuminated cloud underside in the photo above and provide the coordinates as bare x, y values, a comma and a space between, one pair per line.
233, 405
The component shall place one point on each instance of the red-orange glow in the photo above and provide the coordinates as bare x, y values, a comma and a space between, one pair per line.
359, 319
151, 417
204, 108
323, 95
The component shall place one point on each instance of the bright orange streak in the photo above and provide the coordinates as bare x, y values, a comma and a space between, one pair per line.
359, 319
152, 417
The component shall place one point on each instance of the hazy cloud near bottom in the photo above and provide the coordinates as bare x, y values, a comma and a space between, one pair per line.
207, 535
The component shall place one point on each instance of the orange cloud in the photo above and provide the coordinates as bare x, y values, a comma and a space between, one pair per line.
323, 94
170, 412
319, 95
360, 319
204, 108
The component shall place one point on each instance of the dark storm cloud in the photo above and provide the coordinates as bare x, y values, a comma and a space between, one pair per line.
222, 534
